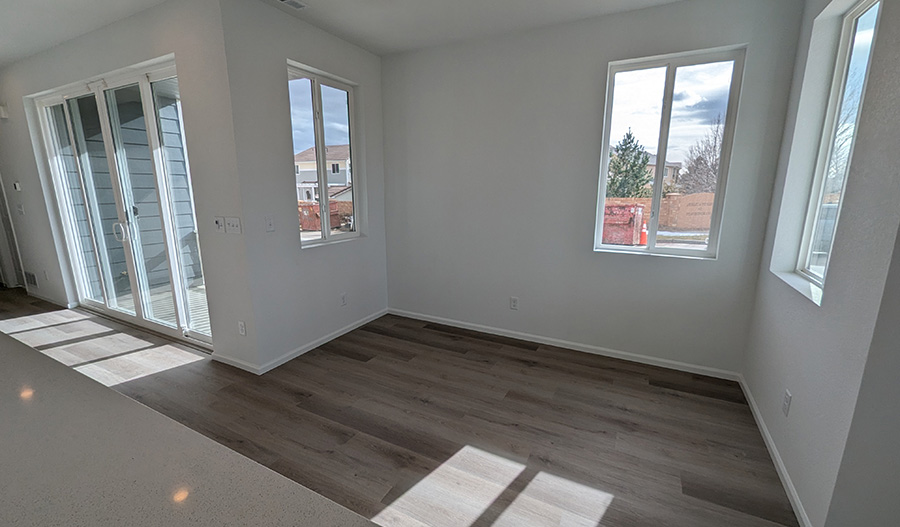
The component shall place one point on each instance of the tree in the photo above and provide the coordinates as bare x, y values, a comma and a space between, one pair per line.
701, 169
629, 176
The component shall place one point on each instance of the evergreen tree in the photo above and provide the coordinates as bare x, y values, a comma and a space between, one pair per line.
629, 176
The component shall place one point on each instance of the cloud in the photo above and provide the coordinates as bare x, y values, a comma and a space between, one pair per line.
700, 95
334, 109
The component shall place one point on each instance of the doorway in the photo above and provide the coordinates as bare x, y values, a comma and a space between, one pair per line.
120, 167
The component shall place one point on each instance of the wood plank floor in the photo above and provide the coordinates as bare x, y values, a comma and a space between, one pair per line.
417, 424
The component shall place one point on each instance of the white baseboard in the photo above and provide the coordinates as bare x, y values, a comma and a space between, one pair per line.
272, 364
577, 346
789, 488
68, 305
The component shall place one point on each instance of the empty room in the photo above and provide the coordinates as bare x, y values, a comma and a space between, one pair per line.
314, 263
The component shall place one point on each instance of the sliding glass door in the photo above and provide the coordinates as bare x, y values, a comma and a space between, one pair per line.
121, 170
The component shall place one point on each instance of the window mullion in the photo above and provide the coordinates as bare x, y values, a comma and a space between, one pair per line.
663, 144
319, 130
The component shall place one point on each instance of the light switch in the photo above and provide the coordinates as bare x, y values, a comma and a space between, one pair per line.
220, 224
232, 225
270, 223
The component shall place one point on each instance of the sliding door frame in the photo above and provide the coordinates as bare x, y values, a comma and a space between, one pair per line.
99, 89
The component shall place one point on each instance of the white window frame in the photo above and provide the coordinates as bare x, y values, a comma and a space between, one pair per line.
672, 62
318, 79
829, 130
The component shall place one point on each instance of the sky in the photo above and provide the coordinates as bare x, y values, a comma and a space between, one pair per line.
334, 108
700, 96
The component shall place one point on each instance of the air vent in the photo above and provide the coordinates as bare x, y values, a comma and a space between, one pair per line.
30, 279
293, 4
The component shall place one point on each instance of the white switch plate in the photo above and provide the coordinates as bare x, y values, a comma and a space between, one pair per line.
242, 328
220, 224
514, 303
20, 209
270, 223
232, 225
786, 405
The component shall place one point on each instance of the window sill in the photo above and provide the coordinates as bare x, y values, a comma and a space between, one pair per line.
686, 255
802, 285
332, 241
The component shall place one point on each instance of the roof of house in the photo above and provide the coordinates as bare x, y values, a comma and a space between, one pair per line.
332, 153
337, 191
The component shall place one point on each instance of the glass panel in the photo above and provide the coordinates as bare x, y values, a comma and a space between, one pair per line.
841, 143
336, 124
696, 132
306, 175
78, 210
135, 164
101, 199
635, 122
168, 113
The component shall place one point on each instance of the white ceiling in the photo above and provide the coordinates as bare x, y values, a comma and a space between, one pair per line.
30, 26
389, 26
381, 26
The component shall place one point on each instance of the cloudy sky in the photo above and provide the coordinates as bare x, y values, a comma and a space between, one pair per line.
700, 96
334, 108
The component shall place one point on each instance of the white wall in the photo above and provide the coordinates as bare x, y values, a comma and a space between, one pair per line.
492, 157
192, 30
819, 353
867, 484
296, 293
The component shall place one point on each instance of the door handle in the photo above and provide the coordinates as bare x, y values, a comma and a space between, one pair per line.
120, 232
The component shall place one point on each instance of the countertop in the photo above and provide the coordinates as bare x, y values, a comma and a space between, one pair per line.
76, 453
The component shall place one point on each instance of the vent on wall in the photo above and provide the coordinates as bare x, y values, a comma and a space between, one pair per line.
30, 279
293, 4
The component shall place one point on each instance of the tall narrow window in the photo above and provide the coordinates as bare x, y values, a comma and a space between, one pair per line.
321, 119
848, 89
667, 137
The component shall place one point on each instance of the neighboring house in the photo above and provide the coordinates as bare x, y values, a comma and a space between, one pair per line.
672, 169
337, 164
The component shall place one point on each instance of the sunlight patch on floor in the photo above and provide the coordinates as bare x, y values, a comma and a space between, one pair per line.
552, 500
478, 488
459, 491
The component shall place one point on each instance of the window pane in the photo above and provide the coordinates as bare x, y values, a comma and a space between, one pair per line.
79, 211
135, 164
305, 172
101, 197
167, 100
336, 123
841, 143
634, 134
696, 131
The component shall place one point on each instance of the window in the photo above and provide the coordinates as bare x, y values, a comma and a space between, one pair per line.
322, 128
836, 149
667, 138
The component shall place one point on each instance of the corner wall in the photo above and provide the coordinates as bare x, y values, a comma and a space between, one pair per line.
492, 154
819, 353
296, 292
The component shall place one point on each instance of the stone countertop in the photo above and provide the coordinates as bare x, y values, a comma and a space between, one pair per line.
76, 453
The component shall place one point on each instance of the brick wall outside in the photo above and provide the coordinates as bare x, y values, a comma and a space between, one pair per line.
677, 212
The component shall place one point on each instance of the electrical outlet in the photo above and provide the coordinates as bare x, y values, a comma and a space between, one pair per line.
242, 328
46, 276
270, 223
232, 225
343, 299
220, 224
20, 209
514, 303
786, 405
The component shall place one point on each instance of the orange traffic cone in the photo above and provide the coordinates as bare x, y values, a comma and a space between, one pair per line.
644, 234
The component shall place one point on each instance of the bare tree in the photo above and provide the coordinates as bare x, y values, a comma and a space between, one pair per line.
701, 169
